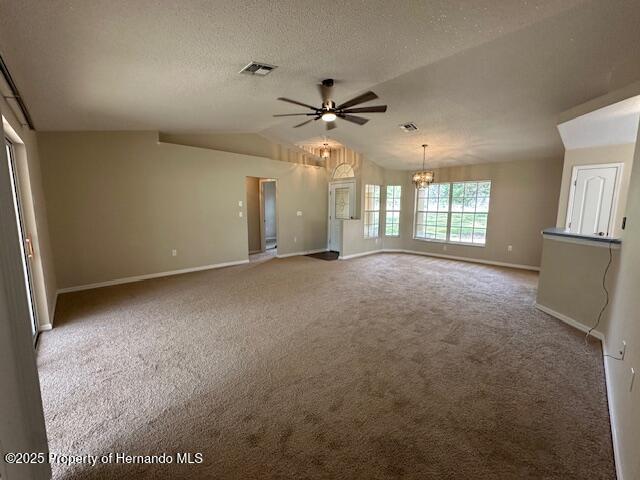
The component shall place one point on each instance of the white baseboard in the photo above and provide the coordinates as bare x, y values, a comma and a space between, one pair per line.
612, 416
44, 328
139, 278
439, 255
361, 254
305, 252
570, 321
475, 260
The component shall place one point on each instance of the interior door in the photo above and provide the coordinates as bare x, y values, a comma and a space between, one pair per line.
592, 204
26, 247
341, 207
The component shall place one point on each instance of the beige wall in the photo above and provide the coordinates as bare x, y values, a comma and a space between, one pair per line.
624, 325
252, 144
353, 240
596, 155
571, 276
34, 214
119, 202
253, 213
524, 199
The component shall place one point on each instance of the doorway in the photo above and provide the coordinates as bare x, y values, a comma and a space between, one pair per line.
262, 218
268, 215
342, 196
593, 198
26, 245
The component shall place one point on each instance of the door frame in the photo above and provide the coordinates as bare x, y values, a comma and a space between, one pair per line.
26, 243
351, 181
263, 240
616, 190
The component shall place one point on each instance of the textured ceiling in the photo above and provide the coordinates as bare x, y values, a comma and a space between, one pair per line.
483, 79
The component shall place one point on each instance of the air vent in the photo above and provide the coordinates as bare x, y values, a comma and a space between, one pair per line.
408, 127
257, 68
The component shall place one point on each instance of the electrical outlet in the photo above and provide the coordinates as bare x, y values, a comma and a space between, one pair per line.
174, 253
240, 203
299, 213
509, 248
240, 214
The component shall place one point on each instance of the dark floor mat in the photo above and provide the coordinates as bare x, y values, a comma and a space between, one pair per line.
325, 255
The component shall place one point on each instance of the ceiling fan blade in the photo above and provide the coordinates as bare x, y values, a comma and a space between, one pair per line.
354, 119
330, 125
295, 102
375, 109
304, 123
293, 114
365, 97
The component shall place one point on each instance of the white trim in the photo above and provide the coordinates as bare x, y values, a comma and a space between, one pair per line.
582, 241
570, 321
614, 434
438, 255
138, 278
363, 254
44, 328
475, 260
52, 312
305, 252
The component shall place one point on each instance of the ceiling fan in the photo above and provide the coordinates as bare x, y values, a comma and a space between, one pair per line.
329, 112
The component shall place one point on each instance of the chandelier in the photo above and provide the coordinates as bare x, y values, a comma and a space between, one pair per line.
423, 178
325, 151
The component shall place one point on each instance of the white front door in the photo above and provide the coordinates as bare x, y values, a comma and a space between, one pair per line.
341, 207
592, 200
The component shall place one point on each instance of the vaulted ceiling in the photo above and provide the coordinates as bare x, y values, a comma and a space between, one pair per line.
484, 80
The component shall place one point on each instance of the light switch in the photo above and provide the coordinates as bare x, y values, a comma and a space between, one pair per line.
240, 203
240, 214
299, 213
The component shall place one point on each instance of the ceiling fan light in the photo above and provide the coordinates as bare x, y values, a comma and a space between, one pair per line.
329, 116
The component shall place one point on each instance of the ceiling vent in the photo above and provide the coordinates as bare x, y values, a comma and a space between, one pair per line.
408, 127
257, 68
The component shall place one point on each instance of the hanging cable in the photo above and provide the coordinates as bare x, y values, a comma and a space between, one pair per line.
606, 292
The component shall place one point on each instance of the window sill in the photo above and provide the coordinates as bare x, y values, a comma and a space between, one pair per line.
392, 236
447, 242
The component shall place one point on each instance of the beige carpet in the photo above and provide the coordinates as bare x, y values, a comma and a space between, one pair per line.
382, 367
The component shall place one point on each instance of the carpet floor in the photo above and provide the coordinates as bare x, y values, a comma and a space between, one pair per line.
382, 367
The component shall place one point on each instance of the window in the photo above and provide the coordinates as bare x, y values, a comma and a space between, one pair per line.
371, 210
392, 211
454, 212
432, 212
469, 210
